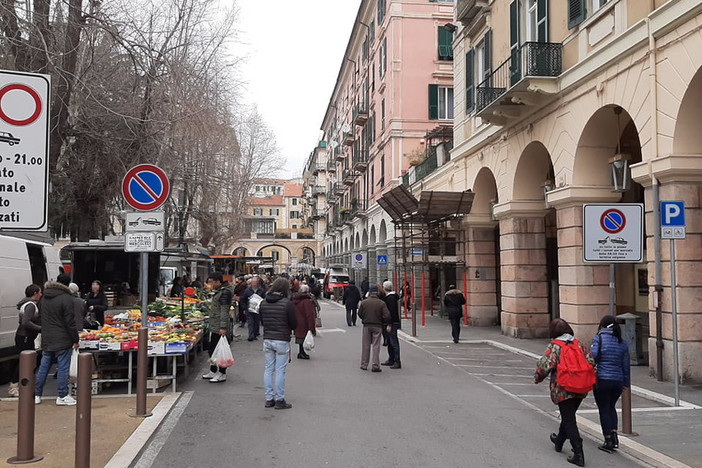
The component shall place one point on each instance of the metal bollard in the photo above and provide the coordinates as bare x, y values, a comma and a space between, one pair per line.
26, 410
83, 410
626, 412
142, 373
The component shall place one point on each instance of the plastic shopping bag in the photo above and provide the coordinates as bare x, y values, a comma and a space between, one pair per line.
222, 356
73, 370
308, 344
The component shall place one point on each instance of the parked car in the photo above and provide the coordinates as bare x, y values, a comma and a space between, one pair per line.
618, 240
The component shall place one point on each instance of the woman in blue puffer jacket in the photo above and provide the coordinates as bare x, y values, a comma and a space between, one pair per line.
612, 358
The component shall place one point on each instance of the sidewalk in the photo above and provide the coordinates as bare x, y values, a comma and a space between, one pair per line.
663, 430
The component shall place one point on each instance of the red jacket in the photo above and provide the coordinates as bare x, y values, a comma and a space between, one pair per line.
305, 311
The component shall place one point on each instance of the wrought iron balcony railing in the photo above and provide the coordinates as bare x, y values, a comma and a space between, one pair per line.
532, 59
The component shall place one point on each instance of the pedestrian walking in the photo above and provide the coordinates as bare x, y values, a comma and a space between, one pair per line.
27, 331
612, 358
218, 323
58, 337
406, 295
96, 302
374, 315
279, 319
568, 402
364, 286
351, 298
239, 289
78, 306
252, 298
392, 301
454, 301
305, 313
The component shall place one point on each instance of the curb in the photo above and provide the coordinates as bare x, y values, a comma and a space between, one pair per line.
627, 446
140, 437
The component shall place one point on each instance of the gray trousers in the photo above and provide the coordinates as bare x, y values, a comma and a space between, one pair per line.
371, 337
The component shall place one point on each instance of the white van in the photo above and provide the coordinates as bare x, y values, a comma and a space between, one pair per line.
22, 262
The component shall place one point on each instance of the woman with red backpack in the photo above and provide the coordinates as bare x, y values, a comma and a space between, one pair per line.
572, 371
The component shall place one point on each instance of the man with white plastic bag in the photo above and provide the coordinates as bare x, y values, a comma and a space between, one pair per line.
218, 323
59, 337
252, 298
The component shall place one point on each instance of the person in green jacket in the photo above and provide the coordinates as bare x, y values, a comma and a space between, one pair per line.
219, 323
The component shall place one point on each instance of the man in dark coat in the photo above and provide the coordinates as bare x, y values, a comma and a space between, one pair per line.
374, 314
351, 298
59, 337
454, 300
239, 289
218, 323
392, 301
364, 286
252, 296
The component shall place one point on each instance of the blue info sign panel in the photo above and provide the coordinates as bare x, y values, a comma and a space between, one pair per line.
672, 220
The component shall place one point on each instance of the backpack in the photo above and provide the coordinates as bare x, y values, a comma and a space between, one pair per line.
574, 373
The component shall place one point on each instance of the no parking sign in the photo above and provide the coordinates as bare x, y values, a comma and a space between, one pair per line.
613, 233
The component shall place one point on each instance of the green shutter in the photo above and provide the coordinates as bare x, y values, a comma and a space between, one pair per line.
470, 81
577, 11
542, 20
445, 44
514, 41
487, 64
433, 102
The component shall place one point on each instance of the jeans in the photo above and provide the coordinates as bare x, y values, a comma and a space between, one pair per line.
455, 328
569, 426
63, 358
393, 344
607, 392
351, 315
276, 353
254, 323
22, 343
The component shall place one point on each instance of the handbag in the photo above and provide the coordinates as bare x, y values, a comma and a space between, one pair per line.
90, 321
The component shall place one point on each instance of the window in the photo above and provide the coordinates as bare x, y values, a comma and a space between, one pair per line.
445, 44
372, 83
372, 185
480, 61
597, 4
381, 11
262, 226
294, 226
470, 81
382, 115
294, 201
383, 58
576, 12
531, 21
440, 102
275, 255
274, 212
258, 211
371, 32
294, 215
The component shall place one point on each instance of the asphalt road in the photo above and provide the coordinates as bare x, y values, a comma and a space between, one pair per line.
430, 413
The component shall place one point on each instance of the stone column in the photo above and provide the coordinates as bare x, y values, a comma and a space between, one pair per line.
680, 179
524, 285
481, 270
372, 267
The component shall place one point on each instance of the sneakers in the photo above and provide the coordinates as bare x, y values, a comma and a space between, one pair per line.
37, 399
208, 376
68, 400
13, 390
270, 403
282, 404
218, 377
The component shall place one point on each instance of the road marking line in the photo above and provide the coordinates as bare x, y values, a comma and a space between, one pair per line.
493, 375
652, 409
322, 331
159, 440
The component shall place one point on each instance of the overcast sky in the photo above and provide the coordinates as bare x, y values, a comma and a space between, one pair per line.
294, 50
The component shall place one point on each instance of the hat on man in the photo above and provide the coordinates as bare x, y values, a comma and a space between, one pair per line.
373, 288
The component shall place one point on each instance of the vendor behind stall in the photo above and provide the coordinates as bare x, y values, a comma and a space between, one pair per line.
96, 302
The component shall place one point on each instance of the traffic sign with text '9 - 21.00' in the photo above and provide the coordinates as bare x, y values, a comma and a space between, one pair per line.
613, 233
24, 150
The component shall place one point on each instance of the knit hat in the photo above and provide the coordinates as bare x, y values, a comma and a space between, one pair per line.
373, 288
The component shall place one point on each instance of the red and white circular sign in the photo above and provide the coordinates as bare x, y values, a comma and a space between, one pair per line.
145, 187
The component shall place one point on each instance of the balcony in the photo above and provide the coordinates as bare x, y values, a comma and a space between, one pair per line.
360, 160
357, 210
468, 10
349, 177
317, 190
331, 197
316, 214
317, 168
331, 165
338, 154
521, 84
348, 138
360, 115
339, 189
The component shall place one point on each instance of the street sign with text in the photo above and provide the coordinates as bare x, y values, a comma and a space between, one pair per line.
151, 221
672, 220
143, 242
613, 233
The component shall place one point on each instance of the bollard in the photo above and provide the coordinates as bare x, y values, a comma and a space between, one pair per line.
626, 412
26, 410
83, 410
142, 372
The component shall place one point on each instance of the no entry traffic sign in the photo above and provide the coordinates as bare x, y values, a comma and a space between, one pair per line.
24, 150
145, 187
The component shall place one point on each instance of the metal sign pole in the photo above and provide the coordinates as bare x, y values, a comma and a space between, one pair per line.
144, 279
673, 297
612, 312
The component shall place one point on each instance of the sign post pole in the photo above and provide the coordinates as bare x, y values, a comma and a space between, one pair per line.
673, 298
612, 311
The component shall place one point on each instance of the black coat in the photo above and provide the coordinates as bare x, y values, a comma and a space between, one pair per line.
58, 326
278, 317
352, 296
454, 300
392, 300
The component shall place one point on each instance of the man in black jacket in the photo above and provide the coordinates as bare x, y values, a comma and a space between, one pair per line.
351, 298
251, 297
279, 320
392, 300
59, 337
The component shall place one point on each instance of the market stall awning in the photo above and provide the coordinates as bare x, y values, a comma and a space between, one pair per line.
432, 207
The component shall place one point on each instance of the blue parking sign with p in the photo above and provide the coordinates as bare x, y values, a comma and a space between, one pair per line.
673, 213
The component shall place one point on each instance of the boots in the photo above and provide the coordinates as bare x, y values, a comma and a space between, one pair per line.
13, 390
578, 457
608, 445
615, 440
558, 440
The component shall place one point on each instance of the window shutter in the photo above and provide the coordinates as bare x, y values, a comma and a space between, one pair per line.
470, 81
514, 40
385, 55
487, 65
433, 102
576, 12
542, 20
445, 44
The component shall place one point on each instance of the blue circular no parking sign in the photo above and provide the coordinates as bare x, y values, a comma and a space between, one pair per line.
613, 221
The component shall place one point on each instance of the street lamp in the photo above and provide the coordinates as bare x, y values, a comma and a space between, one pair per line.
546, 187
620, 174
